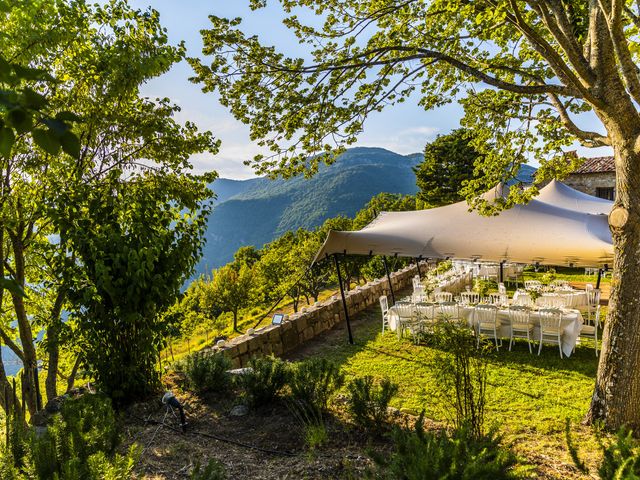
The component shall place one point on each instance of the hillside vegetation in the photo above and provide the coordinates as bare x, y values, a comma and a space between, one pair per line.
256, 211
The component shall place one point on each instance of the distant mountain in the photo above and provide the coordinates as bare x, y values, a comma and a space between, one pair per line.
256, 211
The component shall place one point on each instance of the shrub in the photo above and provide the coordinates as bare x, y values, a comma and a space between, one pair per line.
309, 418
314, 381
208, 372
459, 454
367, 403
264, 381
213, 471
79, 443
461, 371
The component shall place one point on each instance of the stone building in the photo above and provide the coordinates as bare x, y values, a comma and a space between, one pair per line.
596, 176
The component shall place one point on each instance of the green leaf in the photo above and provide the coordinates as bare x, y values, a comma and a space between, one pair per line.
20, 119
12, 286
34, 99
7, 139
67, 117
46, 141
70, 144
56, 127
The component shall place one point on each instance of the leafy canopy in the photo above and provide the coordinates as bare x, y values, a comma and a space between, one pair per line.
545, 63
448, 164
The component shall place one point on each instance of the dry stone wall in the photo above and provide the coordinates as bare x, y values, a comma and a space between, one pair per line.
312, 321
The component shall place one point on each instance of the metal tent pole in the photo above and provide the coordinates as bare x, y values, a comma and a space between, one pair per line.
386, 269
501, 272
344, 299
599, 277
418, 266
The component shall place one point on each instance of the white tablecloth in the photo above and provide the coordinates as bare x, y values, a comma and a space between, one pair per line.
573, 299
571, 324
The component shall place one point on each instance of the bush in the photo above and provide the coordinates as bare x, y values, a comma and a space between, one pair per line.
367, 403
79, 443
461, 371
213, 471
459, 454
264, 381
483, 287
314, 381
208, 372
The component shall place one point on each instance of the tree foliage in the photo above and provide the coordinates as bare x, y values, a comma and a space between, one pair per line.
123, 145
449, 163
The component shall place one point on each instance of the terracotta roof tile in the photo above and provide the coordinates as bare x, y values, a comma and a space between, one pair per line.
597, 165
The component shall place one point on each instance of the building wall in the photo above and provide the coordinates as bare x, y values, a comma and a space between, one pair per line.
588, 182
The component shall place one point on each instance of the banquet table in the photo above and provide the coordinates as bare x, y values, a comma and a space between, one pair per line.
571, 299
571, 324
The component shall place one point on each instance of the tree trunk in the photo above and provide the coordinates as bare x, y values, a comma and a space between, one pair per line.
53, 347
616, 398
72, 376
24, 327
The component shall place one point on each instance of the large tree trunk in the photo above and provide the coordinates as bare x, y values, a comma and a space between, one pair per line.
616, 398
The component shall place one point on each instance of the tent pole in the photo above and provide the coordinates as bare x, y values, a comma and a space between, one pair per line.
501, 272
418, 266
599, 276
344, 299
386, 269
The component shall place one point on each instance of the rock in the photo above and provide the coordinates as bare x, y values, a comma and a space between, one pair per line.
239, 411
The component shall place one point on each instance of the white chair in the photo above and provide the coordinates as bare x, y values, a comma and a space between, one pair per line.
532, 284
593, 301
485, 320
384, 307
498, 299
467, 298
425, 316
560, 284
448, 311
502, 289
523, 299
550, 327
443, 297
417, 285
590, 328
406, 317
521, 326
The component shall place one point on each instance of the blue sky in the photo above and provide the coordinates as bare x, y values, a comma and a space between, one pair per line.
404, 128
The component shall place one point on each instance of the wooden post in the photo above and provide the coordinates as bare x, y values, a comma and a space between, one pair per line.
386, 269
344, 299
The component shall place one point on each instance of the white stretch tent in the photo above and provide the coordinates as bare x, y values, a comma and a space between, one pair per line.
558, 194
536, 232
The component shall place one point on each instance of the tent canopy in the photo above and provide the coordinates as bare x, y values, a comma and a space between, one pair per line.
538, 232
558, 194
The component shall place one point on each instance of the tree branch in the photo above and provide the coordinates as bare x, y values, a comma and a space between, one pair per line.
588, 139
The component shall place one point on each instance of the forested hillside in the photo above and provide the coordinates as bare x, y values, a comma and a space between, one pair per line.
254, 212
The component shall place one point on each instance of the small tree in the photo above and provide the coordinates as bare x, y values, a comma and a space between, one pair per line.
232, 289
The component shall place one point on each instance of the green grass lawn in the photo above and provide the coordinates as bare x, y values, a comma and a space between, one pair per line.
529, 397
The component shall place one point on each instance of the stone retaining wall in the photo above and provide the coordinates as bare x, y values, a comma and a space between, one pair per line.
312, 321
